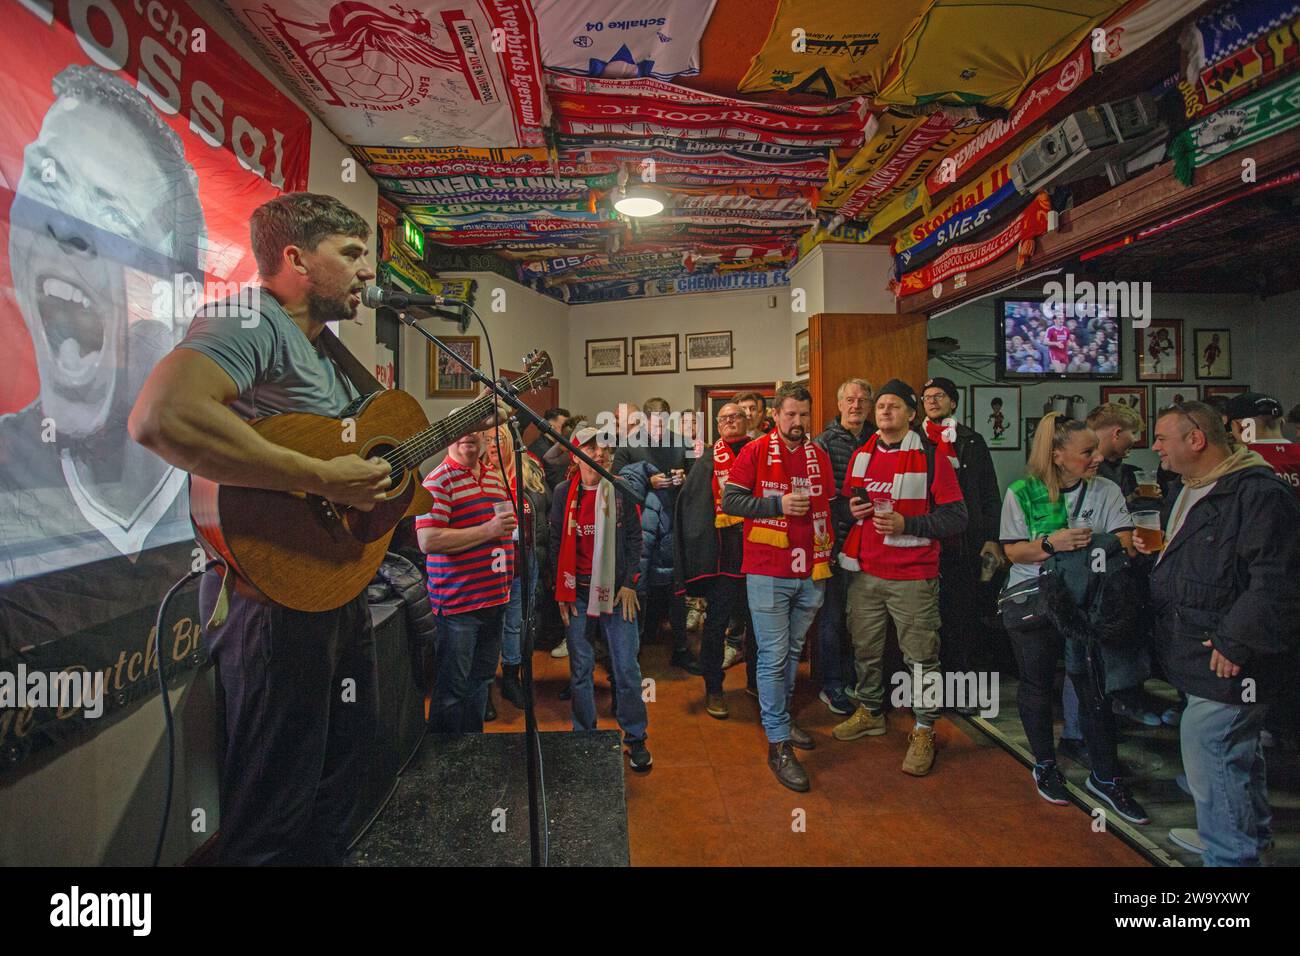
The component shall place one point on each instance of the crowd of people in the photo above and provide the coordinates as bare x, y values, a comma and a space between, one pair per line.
892, 519
1039, 341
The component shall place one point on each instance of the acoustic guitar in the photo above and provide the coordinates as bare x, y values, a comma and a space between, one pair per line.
306, 553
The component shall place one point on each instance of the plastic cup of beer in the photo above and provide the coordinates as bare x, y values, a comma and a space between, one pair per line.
1147, 487
505, 508
801, 487
1146, 528
883, 506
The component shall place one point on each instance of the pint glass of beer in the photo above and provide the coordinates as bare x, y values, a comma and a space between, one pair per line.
1147, 485
1146, 528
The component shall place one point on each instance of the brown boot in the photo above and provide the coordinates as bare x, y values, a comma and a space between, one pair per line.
920, 752
715, 705
781, 758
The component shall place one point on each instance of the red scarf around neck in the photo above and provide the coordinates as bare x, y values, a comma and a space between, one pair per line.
771, 473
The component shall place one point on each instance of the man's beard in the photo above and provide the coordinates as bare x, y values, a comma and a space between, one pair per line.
795, 434
322, 309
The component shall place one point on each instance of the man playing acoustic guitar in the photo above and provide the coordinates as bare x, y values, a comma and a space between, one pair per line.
298, 688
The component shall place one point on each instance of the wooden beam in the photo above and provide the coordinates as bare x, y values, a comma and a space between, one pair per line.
1145, 200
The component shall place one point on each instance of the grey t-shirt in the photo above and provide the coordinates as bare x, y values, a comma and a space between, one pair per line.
1103, 510
272, 362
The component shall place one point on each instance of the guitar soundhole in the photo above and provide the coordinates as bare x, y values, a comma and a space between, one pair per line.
381, 451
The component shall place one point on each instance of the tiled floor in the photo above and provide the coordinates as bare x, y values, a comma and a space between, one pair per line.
710, 799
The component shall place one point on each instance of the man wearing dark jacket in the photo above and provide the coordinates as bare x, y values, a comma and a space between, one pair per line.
709, 549
842, 437
594, 554
556, 467
1223, 592
961, 556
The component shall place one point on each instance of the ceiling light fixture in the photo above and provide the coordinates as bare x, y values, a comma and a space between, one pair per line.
638, 201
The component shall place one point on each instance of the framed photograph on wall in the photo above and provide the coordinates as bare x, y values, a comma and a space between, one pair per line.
1160, 351
801, 361
1225, 390
654, 354
606, 356
708, 350
446, 377
1166, 395
995, 414
1213, 351
1135, 397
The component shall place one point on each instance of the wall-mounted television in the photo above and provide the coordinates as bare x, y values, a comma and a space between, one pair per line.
1044, 341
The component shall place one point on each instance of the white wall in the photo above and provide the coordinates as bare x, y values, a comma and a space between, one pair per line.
841, 277
974, 328
761, 337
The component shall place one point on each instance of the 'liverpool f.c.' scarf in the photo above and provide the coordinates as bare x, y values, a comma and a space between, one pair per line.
600, 596
723, 459
772, 474
909, 493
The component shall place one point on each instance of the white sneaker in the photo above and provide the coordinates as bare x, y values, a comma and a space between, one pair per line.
561, 649
732, 656
1187, 838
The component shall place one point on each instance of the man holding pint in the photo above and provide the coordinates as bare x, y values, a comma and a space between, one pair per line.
1223, 590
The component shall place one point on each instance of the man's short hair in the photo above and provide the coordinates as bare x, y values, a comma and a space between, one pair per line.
1111, 414
551, 414
299, 219
797, 392
1207, 419
90, 84
861, 383
747, 397
653, 405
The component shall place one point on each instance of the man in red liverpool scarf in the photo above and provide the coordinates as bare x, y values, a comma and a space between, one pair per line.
904, 498
781, 484
709, 549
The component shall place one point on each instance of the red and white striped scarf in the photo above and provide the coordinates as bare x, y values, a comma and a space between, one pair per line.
772, 474
909, 492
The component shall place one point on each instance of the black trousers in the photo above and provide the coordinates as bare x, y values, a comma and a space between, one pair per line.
726, 596
661, 600
1037, 651
296, 714
959, 599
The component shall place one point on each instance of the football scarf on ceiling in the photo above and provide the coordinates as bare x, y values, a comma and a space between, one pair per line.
689, 148
1228, 28
832, 48
1250, 120
1133, 27
471, 168
883, 175
720, 132
965, 226
622, 38
1045, 93
867, 201
1267, 59
429, 213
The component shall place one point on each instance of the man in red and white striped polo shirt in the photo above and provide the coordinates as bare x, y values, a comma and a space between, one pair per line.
471, 562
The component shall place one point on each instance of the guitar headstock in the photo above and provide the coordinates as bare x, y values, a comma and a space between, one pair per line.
538, 370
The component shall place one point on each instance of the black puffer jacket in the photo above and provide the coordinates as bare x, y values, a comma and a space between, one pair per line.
399, 578
1230, 577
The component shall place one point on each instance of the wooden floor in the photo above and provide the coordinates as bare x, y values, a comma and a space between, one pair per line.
710, 799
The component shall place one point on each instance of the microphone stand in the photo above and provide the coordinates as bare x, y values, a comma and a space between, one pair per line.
532, 742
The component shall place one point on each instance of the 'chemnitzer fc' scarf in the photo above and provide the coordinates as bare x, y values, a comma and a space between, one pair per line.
723, 459
771, 474
600, 596
909, 493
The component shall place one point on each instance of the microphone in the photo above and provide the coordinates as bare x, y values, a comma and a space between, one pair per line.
375, 297
440, 305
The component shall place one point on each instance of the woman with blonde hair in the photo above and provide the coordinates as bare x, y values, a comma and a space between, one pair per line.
1056, 508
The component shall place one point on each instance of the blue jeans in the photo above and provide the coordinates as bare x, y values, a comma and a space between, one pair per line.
1224, 761
512, 623
468, 647
624, 645
830, 647
782, 609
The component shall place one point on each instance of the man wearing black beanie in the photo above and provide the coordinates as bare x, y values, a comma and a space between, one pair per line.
962, 556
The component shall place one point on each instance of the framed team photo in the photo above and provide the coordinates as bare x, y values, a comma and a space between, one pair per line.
1166, 395
1135, 397
995, 414
654, 354
1160, 351
1213, 351
706, 350
802, 363
1226, 390
606, 356
447, 378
